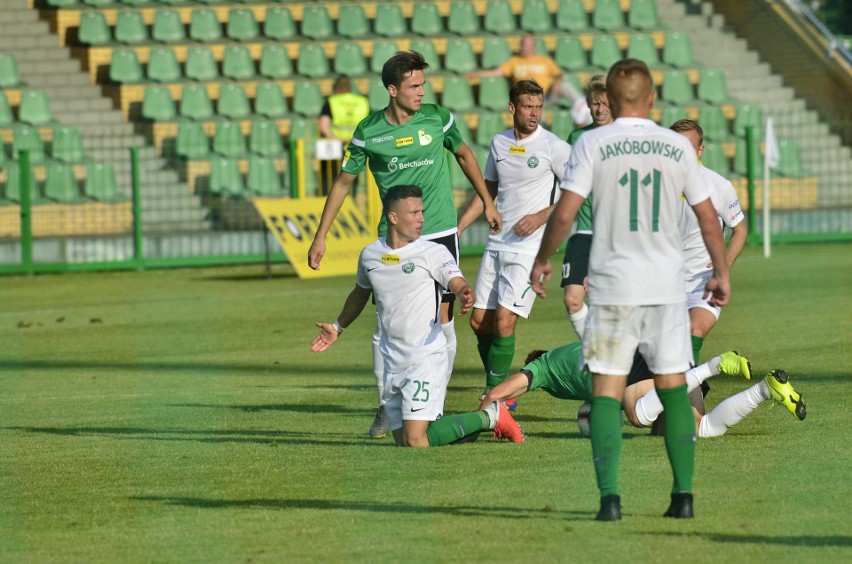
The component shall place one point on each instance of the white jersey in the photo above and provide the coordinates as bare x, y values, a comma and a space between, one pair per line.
407, 285
636, 171
527, 172
727, 206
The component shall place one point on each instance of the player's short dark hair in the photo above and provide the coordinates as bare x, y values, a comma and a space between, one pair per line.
534, 354
397, 193
400, 65
526, 87
684, 125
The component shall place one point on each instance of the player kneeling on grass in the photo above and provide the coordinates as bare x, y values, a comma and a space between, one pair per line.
406, 275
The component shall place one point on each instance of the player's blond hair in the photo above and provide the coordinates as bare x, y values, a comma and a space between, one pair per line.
684, 125
595, 88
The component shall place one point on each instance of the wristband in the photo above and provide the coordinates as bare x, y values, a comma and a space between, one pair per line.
337, 327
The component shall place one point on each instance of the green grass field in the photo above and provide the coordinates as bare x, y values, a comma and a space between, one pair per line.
178, 415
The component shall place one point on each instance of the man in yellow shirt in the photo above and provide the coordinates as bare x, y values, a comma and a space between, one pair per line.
529, 65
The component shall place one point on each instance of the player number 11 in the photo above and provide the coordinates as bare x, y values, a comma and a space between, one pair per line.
632, 177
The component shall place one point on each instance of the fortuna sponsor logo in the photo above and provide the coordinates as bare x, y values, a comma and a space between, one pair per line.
517, 150
382, 139
628, 147
390, 259
405, 141
394, 165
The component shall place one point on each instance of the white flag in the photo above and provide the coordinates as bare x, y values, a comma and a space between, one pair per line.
772, 155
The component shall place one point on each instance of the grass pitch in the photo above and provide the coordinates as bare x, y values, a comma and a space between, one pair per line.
178, 415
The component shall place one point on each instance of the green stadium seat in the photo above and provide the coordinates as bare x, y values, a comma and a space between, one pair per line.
676, 88
98, 3
12, 191
352, 21
458, 180
642, 14
389, 20
641, 46
493, 93
426, 48
382, 51
562, 123
535, 17
192, 141
157, 104
790, 163
464, 130
462, 19
264, 139
712, 86
135, 3
195, 103
100, 183
130, 28
61, 3
429, 96
35, 108
457, 95
275, 62
7, 119
61, 185
463, 58
499, 19
677, 51
312, 61
9, 77
279, 24
714, 123
168, 27
242, 26
225, 178
93, 29
714, 158
124, 67
571, 16
748, 116
741, 159
570, 54
25, 138
163, 65
269, 100
67, 145
377, 94
426, 20
349, 60
263, 179
228, 140
605, 51
495, 52
302, 128
204, 25
316, 23
672, 114
233, 102
607, 15
237, 63
307, 98
200, 64
489, 125
172, 2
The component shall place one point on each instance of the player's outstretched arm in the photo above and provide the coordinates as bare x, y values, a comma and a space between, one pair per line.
468, 164
336, 195
352, 308
556, 231
711, 232
464, 293
511, 387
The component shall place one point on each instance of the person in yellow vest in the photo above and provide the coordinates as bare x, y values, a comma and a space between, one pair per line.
342, 111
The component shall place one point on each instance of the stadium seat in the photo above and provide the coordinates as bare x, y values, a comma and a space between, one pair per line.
714, 123
677, 51
172, 2
605, 51
535, 17
316, 23
457, 95
264, 139
93, 29
642, 14
9, 77
714, 158
312, 61
377, 94
499, 19
672, 114
195, 103
136, 2
790, 163
307, 98
279, 24
741, 159
429, 96
607, 15
263, 179
163, 65
200, 64
100, 183
124, 67
192, 142
571, 16
242, 26
462, 19
225, 178
493, 93
461, 125
7, 119
562, 123
712, 86
269, 100
570, 54
233, 102
67, 145
228, 140
237, 63
275, 62
389, 20
352, 21
748, 116
489, 125
35, 108
13, 182
495, 52
302, 128
641, 46
463, 59
168, 27
61, 3
204, 25
676, 88
157, 104
382, 51
426, 20
61, 185
98, 3
130, 28
349, 60
426, 48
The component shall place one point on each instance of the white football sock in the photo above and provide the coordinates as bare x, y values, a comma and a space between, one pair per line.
578, 320
695, 376
449, 330
733, 410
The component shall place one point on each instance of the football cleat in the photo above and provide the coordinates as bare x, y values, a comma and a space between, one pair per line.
735, 365
680, 507
610, 508
783, 393
381, 426
506, 427
512, 404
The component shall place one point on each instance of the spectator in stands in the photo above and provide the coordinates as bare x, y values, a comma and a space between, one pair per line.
529, 65
342, 111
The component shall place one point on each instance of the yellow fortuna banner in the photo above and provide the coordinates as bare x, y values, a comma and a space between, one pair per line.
294, 223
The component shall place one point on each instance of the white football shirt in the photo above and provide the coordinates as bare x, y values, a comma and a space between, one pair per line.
636, 171
407, 285
527, 172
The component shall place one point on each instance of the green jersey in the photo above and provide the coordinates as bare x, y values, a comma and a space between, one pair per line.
411, 153
559, 372
584, 214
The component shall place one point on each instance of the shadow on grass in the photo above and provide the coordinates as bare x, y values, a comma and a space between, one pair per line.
295, 408
208, 368
785, 540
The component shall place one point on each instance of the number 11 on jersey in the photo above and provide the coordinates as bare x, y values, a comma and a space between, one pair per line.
632, 177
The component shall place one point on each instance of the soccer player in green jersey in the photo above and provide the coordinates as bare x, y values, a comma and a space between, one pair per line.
405, 144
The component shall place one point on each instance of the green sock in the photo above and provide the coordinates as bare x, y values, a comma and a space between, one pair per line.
696, 348
483, 345
605, 423
451, 428
500, 360
680, 436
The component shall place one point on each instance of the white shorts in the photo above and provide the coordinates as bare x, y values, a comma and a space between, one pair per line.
418, 392
504, 279
695, 294
659, 332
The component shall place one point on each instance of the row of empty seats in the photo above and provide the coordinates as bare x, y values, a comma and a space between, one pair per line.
62, 184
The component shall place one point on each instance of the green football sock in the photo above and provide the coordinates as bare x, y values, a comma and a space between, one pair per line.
605, 423
483, 345
500, 360
451, 428
680, 436
696, 348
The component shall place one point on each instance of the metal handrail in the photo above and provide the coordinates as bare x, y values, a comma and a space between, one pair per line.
834, 45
